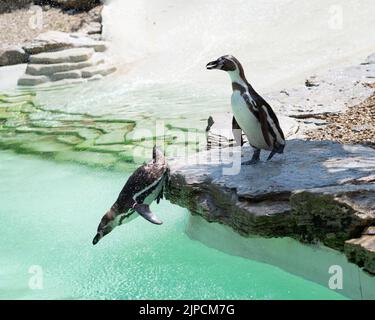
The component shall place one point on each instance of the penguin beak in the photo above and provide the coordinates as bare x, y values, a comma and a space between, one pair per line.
212, 65
97, 238
101, 234
105, 226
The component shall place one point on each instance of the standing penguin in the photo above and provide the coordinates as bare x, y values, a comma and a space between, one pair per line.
144, 186
252, 114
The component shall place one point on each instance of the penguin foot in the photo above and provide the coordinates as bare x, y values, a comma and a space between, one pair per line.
277, 149
255, 159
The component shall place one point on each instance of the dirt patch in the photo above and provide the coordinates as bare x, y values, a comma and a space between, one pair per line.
356, 125
24, 24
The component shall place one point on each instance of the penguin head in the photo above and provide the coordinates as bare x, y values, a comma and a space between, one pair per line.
225, 63
106, 225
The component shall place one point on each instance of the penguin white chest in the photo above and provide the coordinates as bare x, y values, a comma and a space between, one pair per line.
247, 121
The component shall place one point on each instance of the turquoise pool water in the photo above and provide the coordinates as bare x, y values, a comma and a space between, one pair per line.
49, 213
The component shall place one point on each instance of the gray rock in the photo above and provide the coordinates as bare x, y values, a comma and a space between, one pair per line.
48, 69
66, 67
10, 55
314, 192
91, 28
63, 56
76, 4
65, 82
102, 69
95, 15
28, 80
10, 5
74, 74
56, 40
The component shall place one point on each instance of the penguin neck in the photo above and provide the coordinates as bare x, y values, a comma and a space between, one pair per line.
239, 81
237, 77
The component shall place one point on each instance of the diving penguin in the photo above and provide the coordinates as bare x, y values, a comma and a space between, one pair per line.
144, 186
252, 114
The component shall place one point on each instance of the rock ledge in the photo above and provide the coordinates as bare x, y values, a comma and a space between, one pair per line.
318, 191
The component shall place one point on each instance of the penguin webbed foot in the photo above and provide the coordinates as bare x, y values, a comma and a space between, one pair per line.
255, 158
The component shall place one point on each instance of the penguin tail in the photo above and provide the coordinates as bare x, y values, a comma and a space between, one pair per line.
277, 149
280, 148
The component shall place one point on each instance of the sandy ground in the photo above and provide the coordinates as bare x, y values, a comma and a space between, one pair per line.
24, 24
356, 125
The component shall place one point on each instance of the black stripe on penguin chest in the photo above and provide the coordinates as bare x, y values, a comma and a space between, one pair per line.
148, 191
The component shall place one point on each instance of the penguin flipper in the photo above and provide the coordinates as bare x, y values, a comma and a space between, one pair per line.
144, 211
260, 104
264, 124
